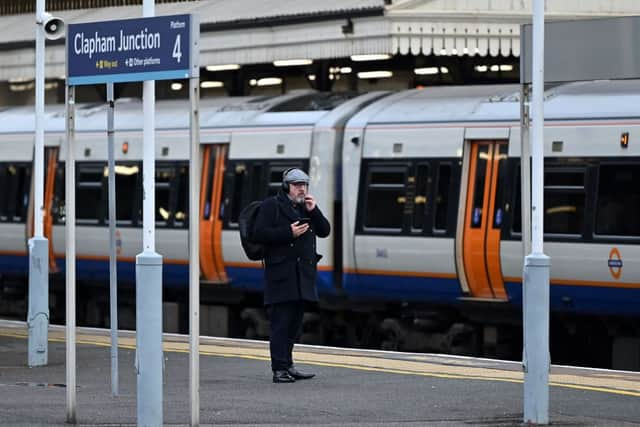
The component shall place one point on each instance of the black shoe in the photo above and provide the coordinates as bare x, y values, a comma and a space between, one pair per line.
283, 377
294, 373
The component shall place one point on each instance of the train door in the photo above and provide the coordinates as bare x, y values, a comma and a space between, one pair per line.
50, 166
214, 160
483, 211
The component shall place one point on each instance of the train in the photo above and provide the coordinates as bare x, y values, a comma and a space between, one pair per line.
422, 188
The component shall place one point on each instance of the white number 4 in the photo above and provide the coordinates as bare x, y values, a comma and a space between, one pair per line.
177, 53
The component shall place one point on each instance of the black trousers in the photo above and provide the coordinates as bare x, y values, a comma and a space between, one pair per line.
286, 326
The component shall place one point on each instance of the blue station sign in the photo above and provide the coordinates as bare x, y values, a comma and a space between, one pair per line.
127, 50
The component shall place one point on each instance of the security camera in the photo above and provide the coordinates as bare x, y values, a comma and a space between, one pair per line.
53, 26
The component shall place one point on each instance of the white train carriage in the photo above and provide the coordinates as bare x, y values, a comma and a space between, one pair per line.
432, 197
246, 144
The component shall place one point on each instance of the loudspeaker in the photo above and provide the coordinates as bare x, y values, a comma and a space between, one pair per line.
53, 26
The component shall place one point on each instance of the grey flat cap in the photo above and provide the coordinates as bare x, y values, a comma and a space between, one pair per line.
295, 175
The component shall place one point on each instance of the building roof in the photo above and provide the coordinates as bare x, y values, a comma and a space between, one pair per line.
260, 31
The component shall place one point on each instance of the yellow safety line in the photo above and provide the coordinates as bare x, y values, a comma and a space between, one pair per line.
178, 347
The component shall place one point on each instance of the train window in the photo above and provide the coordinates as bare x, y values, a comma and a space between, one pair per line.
208, 188
16, 180
422, 184
128, 193
182, 198
164, 178
618, 206
442, 197
385, 197
89, 187
478, 193
516, 218
499, 203
564, 201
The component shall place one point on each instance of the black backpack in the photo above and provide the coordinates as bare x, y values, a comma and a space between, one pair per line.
246, 224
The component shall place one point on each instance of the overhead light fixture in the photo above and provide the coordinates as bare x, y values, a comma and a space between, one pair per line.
444, 70
495, 68
426, 71
481, 68
506, 67
311, 77
345, 70
211, 84
292, 62
372, 57
176, 86
223, 67
266, 81
374, 74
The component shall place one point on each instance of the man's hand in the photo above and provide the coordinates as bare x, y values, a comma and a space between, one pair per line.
298, 229
309, 202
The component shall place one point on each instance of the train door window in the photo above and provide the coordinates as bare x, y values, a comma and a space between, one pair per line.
478, 196
564, 201
385, 198
499, 202
16, 182
164, 178
129, 193
58, 205
89, 189
420, 189
618, 206
442, 198
181, 215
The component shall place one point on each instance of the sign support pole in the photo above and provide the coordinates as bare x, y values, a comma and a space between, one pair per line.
70, 251
194, 251
113, 261
38, 316
536, 269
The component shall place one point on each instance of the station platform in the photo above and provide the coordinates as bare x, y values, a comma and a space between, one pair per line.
351, 388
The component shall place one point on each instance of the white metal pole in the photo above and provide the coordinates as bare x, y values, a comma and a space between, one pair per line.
149, 358
38, 315
194, 252
70, 251
536, 271
38, 174
113, 263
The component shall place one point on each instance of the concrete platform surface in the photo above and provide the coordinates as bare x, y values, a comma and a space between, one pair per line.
352, 387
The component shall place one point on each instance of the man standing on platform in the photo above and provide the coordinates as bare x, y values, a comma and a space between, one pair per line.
287, 225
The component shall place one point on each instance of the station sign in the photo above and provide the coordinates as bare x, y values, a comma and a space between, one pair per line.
128, 50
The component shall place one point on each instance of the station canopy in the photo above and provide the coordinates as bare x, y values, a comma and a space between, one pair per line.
253, 32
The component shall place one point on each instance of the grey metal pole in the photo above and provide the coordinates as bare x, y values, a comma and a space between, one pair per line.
38, 316
70, 251
113, 264
149, 356
536, 271
194, 251
525, 169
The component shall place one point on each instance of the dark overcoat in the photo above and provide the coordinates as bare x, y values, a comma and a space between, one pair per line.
289, 263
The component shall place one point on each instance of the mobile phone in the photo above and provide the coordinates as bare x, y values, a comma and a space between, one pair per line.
304, 221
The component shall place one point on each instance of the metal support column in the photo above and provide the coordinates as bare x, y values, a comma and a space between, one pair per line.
536, 267
113, 261
70, 251
194, 251
149, 358
38, 316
